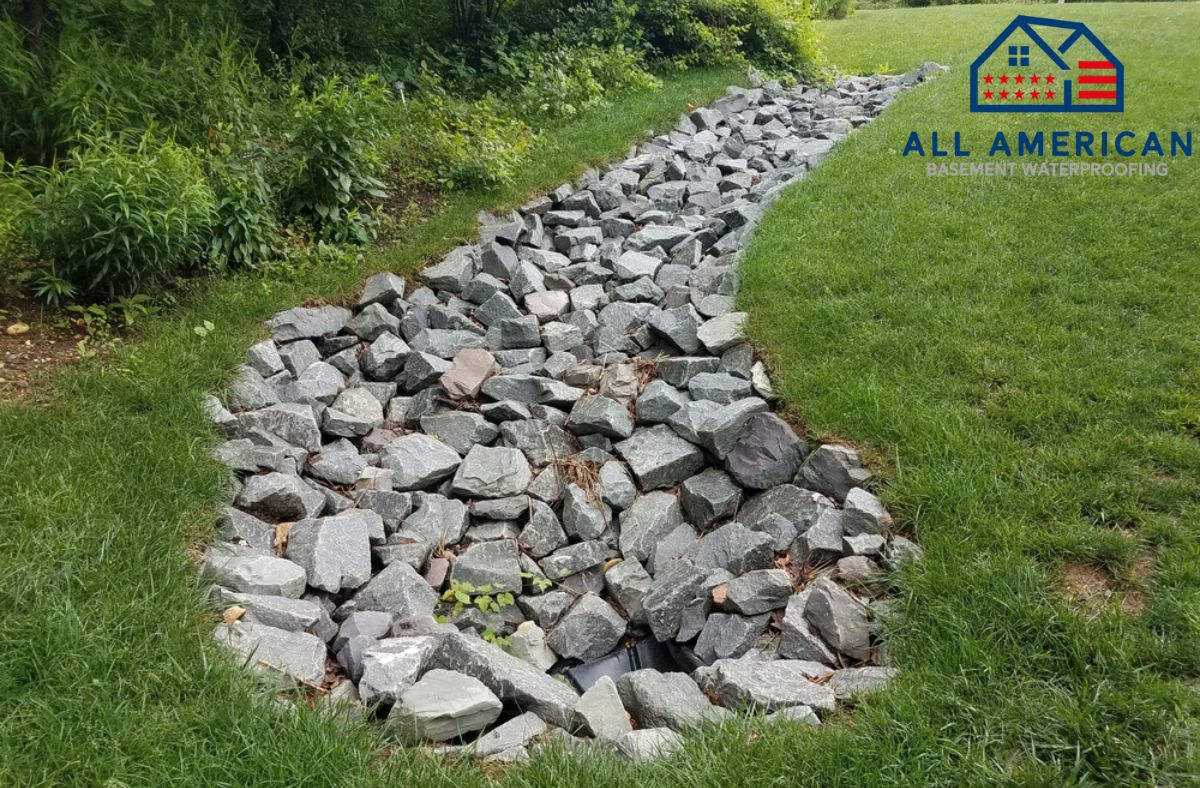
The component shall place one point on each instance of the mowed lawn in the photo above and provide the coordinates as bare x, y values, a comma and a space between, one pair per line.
1020, 357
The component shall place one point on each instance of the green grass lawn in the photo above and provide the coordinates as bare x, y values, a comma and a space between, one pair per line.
1022, 356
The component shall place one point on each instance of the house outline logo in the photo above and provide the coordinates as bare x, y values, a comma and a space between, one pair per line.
1080, 86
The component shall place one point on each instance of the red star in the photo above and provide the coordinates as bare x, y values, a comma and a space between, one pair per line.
987, 94
1049, 79
1004, 79
1020, 79
1049, 94
1033, 78
1033, 94
987, 80
1020, 94
1004, 94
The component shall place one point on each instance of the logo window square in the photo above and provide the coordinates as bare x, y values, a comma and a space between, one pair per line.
1018, 55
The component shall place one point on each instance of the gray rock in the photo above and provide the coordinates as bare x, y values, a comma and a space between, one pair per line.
373, 322
850, 682
797, 639
275, 652
531, 388
629, 583
397, 589
385, 357
718, 387
307, 323
289, 421
382, 288
709, 497
491, 565
801, 715
833, 470
734, 548
280, 496
766, 453
236, 525
546, 609
860, 573
769, 685
589, 630
649, 744
543, 534
438, 520
660, 458
760, 591
454, 272
513, 680
492, 472
723, 332
864, 514
293, 615
251, 572
250, 391
668, 700
460, 430
392, 666
264, 358
680, 543
334, 551
443, 705
583, 516
600, 713
513, 734
674, 587
659, 401
422, 370
783, 512
822, 542
726, 636
541, 441
575, 558
679, 371
901, 551
635, 265
616, 487
650, 518
600, 415
840, 618
418, 462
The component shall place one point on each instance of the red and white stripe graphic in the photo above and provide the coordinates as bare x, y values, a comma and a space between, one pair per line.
1097, 80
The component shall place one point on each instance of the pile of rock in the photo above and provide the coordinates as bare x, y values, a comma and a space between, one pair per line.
560, 441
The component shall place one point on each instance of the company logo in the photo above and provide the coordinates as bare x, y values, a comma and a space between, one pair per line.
1047, 65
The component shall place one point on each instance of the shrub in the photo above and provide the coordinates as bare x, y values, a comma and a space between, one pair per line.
833, 9
776, 35
114, 219
549, 77
443, 141
332, 148
246, 225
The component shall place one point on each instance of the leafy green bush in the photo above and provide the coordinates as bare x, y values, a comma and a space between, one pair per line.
332, 147
833, 9
246, 224
776, 35
549, 77
443, 141
113, 219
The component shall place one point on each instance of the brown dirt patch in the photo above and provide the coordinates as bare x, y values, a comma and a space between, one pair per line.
1094, 590
48, 343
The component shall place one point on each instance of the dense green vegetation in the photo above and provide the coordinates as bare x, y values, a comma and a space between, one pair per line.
141, 138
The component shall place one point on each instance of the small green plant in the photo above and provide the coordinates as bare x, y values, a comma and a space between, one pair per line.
540, 582
465, 595
204, 329
332, 144
46, 285
113, 219
499, 641
246, 225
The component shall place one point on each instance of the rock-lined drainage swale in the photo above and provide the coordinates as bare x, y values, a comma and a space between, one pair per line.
559, 442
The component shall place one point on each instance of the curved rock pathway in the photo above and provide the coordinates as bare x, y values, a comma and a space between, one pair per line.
556, 444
